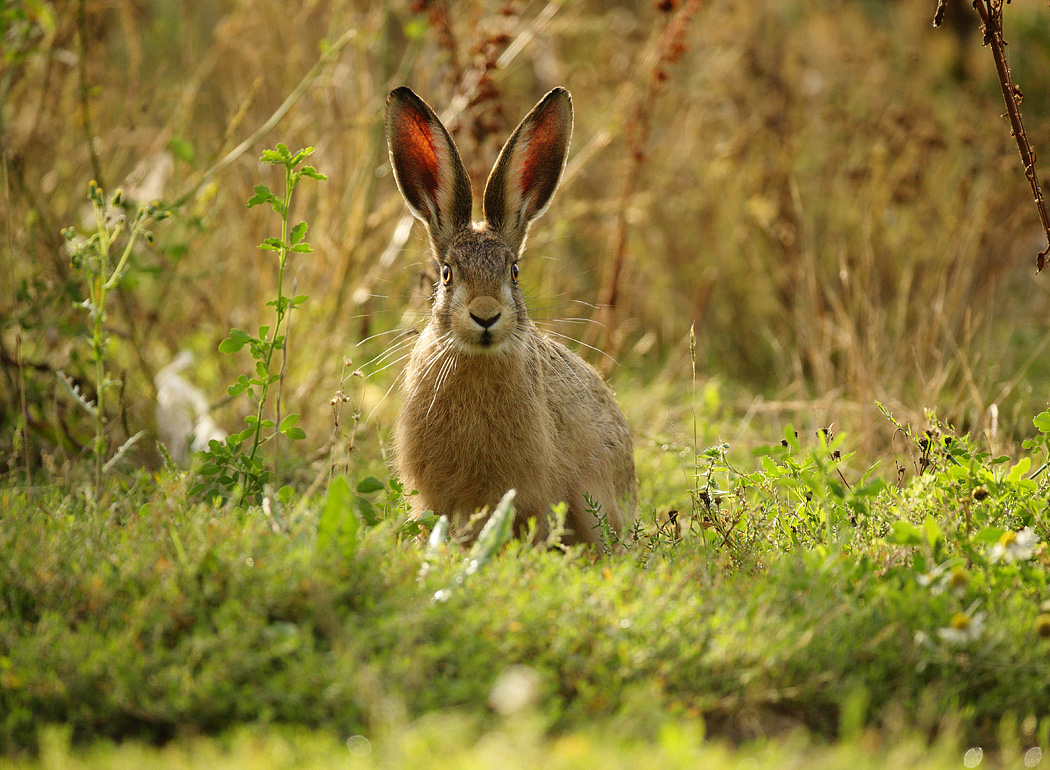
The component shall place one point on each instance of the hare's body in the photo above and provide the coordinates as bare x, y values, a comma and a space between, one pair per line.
535, 418
490, 404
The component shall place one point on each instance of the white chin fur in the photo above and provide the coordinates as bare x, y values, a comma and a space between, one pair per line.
474, 346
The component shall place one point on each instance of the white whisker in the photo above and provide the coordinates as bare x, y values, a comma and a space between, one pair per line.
386, 366
444, 343
380, 402
594, 321
442, 376
578, 342
392, 350
398, 332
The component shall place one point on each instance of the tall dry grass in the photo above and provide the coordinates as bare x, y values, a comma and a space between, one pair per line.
825, 189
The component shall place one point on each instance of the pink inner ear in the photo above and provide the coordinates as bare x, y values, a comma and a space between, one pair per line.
416, 153
543, 155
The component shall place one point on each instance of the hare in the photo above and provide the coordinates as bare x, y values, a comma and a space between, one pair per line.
489, 403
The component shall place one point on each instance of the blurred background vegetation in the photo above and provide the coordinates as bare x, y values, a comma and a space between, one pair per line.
825, 189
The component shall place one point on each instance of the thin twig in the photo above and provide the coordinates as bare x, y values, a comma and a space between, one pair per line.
85, 112
991, 13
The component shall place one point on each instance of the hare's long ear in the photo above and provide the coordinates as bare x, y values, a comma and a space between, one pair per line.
529, 168
427, 167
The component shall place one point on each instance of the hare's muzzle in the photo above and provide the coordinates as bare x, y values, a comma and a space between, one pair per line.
485, 323
485, 314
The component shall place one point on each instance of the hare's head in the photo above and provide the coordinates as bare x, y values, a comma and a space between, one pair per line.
477, 301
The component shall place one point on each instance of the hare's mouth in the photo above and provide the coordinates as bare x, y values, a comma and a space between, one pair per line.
485, 342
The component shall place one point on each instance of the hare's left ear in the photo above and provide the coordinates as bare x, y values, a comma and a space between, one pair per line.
529, 168
427, 168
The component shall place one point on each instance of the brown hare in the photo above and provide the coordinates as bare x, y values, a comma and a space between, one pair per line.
489, 403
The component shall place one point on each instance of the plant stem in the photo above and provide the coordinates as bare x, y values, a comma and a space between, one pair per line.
100, 283
85, 111
272, 341
991, 14
97, 289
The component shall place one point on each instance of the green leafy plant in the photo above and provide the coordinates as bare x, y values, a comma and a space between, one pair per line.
236, 463
94, 256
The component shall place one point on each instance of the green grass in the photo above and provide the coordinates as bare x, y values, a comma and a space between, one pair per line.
792, 601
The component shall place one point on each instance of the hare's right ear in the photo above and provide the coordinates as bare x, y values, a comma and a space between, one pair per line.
529, 168
427, 167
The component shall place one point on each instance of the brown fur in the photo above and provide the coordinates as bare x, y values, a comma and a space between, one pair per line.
489, 403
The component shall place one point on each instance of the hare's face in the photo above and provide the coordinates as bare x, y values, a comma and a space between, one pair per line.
477, 300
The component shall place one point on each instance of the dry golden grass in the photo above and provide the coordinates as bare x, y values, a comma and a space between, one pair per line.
824, 189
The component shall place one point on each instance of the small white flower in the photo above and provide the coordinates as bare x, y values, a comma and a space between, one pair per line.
963, 628
1014, 546
943, 578
516, 689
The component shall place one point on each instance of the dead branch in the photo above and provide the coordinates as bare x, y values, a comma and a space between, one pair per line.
991, 13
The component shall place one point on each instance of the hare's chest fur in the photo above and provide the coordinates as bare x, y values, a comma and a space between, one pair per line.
472, 427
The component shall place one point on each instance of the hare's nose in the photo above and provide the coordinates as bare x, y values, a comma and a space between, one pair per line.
485, 323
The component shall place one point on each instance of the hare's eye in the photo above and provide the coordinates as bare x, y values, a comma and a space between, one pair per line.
514, 272
446, 275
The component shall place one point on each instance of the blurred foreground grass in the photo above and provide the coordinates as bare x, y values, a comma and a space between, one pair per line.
447, 741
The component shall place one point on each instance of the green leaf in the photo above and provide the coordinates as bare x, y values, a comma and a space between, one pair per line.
494, 534
303, 248
871, 489
313, 173
988, 534
298, 232
272, 157
1042, 422
237, 340
264, 195
932, 530
368, 485
300, 156
905, 533
295, 433
288, 422
243, 436
271, 244
181, 148
338, 526
1018, 471
285, 494
367, 511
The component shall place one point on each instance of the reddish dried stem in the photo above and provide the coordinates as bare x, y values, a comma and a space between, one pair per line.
991, 14
668, 49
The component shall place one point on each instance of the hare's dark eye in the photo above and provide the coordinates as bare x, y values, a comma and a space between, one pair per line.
446, 275
514, 272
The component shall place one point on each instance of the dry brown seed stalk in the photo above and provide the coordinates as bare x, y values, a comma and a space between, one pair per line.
991, 13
